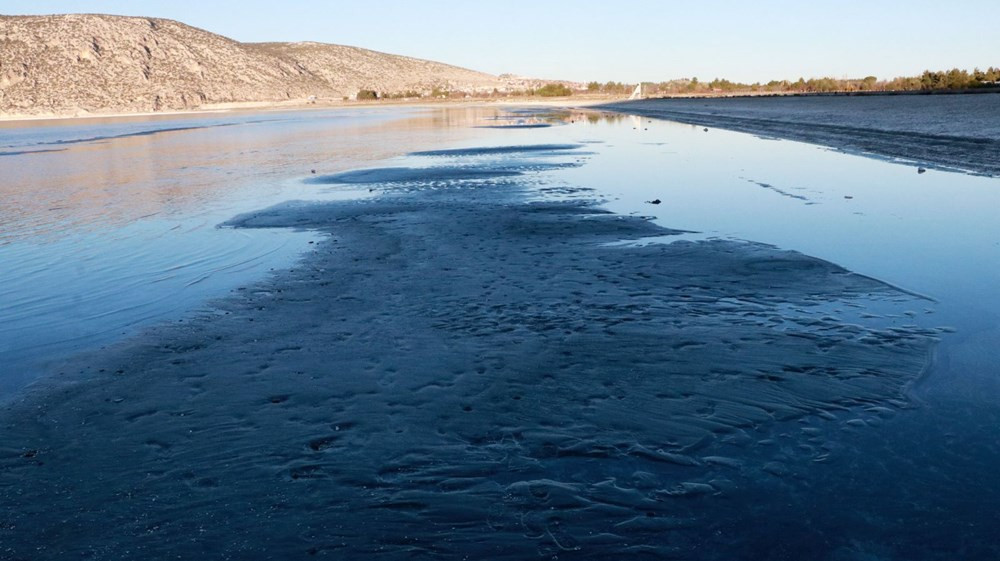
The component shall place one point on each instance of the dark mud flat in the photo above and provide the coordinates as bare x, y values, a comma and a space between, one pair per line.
517, 126
453, 373
495, 150
956, 132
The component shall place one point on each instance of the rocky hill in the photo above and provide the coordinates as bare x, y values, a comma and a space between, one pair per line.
77, 64
351, 69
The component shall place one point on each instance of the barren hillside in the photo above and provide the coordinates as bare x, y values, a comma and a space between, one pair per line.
73, 64
352, 69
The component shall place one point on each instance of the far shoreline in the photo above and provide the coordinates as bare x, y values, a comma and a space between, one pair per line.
869, 93
578, 100
303, 105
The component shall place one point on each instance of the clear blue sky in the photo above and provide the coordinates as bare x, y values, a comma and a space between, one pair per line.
611, 39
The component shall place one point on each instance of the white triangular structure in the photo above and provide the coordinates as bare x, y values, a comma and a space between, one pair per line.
637, 93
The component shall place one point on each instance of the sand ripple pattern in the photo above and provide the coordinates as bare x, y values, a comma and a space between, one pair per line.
454, 373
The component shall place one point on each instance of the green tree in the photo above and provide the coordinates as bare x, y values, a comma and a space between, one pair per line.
930, 80
554, 90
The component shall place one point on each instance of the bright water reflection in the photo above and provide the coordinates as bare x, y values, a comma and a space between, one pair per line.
934, 233
99, 235
106, 225
914, 485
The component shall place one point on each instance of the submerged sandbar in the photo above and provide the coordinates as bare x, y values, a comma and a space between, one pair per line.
452, 371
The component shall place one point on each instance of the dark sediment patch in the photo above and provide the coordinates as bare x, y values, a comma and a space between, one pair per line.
24, 152
492, 150
410, 175
154, 131
516, 126
439, 176
149, 132
781, 192
447, 376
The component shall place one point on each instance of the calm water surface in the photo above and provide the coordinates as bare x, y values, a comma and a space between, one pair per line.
954, 116
106, 226
110, 224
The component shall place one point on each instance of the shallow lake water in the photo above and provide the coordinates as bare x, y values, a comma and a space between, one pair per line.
106, 227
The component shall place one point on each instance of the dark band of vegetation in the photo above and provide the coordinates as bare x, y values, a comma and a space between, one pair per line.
953, 79
554, 89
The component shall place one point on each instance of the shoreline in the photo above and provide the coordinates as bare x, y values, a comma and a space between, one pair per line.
456, 362
873, 93
303, 105
578, 100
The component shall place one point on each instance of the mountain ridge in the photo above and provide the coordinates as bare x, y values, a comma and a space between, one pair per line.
77, 64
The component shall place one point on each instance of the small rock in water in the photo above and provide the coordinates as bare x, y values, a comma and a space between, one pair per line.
848, 196
706, 129
654, 202
312, 171
921, 170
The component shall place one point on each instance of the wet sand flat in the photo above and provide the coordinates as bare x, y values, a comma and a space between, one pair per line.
955, 132
451, 372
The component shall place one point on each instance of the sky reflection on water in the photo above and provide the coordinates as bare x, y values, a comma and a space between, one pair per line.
107, 234
99, 237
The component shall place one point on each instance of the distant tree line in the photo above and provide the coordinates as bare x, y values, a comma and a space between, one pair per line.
954, 79
402, 95
610, 88
553, 89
